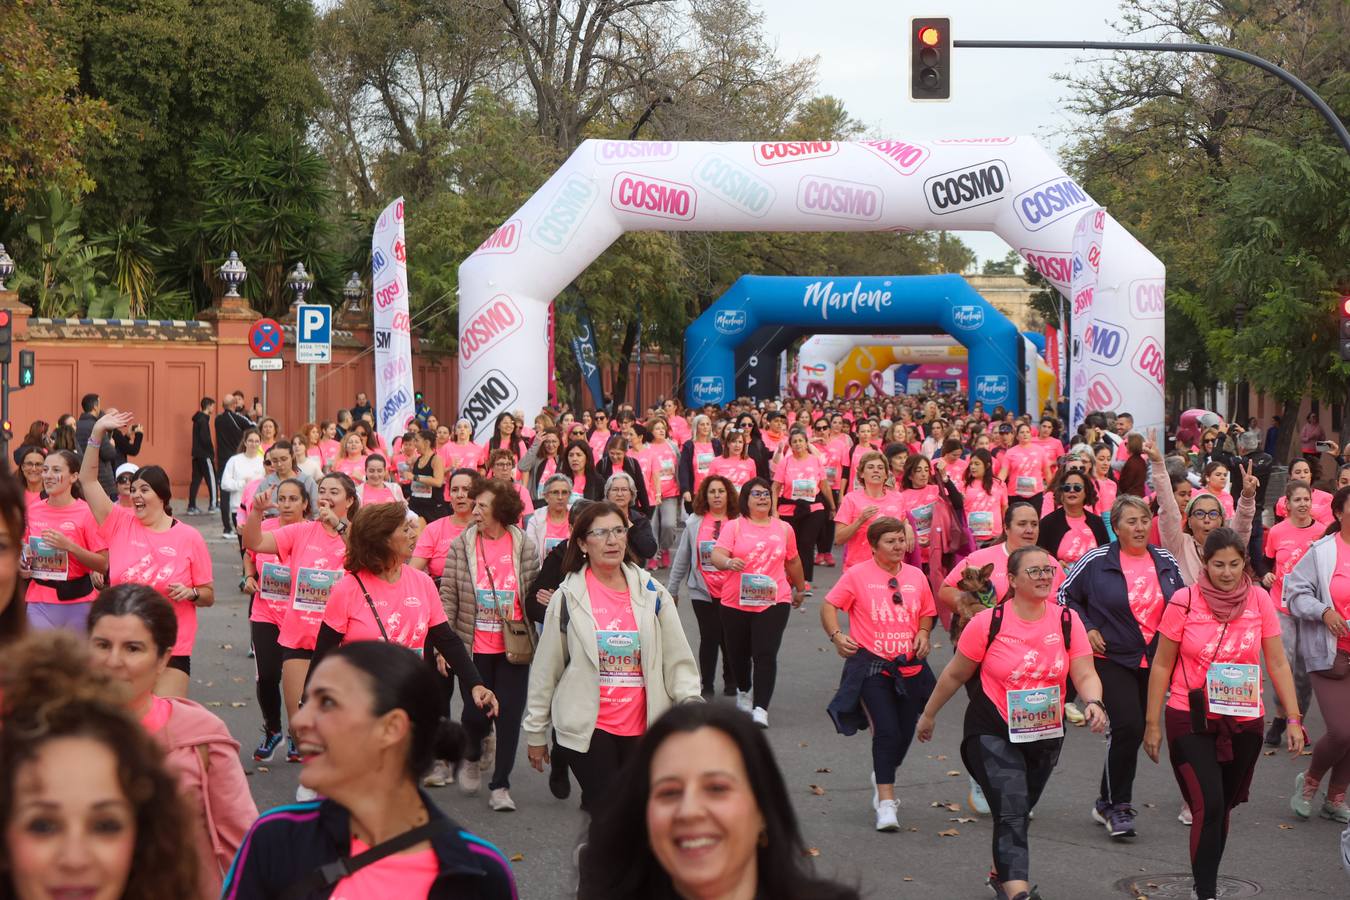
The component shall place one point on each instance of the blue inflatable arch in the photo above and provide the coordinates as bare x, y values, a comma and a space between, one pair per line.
731, 348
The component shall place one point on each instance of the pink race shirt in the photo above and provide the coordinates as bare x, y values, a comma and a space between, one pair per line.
329, 451
1024, 654
1199, 634
459, 456
380, 494
1145, 594
878, 623
1321, 508
663, 459
399, 875
274, 584
1077, 541
1026, 470
555, 533
709, 530
1286, 543
137, 555
984, 509
434, 543
597, 441
1340, 588
408, 608
737, 471
51, 566
798, 479
315, 559
834, 454
353, 467
1106, 495
765, 549
919, 502
496, 592
703, 460
623, 692
890, 503
998, 555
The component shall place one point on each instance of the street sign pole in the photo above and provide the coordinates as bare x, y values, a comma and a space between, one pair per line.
264, 399
313, 393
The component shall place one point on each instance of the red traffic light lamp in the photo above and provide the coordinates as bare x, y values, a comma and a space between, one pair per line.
930, 59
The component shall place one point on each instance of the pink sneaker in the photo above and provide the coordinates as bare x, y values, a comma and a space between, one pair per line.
829, 559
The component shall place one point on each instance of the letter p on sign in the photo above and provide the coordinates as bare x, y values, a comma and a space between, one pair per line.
314, 333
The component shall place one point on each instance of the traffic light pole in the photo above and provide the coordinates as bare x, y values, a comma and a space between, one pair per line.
4, 410
1250, 58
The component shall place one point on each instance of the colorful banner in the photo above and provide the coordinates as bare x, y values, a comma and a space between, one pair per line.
393, 332
1086, 253
583, 348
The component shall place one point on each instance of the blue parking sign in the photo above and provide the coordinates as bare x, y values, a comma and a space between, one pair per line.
313, 333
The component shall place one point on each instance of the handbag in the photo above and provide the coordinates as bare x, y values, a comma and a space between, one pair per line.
1340, 666
518, 635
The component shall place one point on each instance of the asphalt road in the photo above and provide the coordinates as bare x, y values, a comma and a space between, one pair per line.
939, 853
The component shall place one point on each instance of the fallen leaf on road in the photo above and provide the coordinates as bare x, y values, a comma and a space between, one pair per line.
803, 744
823, 770
961, 820
1150, 806
213, 703
953, 773
1286, 827
953, 807
937, 804
517, 857
817, 790
942, 758
227, 646
812, 851
263, 769
1268, 753
907, 878
950, 832
238, 704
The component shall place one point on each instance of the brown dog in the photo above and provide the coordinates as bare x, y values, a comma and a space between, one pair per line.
976, 593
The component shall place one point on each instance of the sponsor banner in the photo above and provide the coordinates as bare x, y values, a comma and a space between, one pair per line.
848, 300
391, 325
793, 151
709, 389
489, 397
583, 348
488, 327
505, 239
1085, 358
993, 390
837, 199
1105, 342
649, 196
1055, 266
1148, 363
1146, 298
610, 153
968, 317
967, 188
902, 156
1049, 202
729, 321
1102, 394
735, 185
1001, 141
564, 214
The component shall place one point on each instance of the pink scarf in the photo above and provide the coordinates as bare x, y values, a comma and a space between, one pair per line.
1226, 605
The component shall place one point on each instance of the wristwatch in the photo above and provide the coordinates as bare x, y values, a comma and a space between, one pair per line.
341, 528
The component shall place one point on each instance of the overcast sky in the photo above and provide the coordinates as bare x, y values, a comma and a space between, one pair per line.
863, 47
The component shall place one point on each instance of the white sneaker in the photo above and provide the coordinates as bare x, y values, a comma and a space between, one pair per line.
501, 801
887, 819
761, 716
976, 799
470, 778
488, 760
743, 701
1184, 817
439, 776
304, 794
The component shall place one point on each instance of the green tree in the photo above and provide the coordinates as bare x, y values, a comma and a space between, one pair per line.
1008, 265
63, 275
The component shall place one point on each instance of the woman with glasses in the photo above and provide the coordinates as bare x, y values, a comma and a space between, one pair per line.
760, 552
612, 658
1025, 470
886, 678
714, 506
619, 490
62, 547
548, 526
860, 508
31, 459
541, 462
1072, 529
1014, 723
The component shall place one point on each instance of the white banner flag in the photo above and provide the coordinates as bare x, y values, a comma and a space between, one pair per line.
393, 338
1087, 392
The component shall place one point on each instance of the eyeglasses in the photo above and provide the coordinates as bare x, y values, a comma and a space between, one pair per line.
1207, 514
124, 479
1209, 440
895, 591
760, 494
1039, 571
1071, 488
618, 532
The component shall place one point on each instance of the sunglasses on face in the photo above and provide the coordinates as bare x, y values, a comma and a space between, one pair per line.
124, 479
1072, 488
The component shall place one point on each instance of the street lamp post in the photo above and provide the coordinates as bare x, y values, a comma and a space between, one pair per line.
6, 266
299, 282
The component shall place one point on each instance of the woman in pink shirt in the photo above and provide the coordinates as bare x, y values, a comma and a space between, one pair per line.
890, 617
735, 463
1215, 483
435, 540
132, 631
1071, 530
460, 452
1208, 671
860, 508
1014, 724
667, 511
330, 448
352, 462
803, 496
919, 494
541, 462
30, 473
61, 548
147, 545
376, 487
313, 552
759, 551
505, 436
1103, 479
1299, 470
1284, 545
986, 498
1025, 469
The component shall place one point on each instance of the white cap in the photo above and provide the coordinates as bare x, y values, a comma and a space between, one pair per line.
127, 468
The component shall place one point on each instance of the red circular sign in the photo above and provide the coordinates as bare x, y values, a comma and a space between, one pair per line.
265, 338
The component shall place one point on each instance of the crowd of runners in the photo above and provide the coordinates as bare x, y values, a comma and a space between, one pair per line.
1126, 582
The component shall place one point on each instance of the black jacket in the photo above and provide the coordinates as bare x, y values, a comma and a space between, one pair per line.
230, 427
107, 452
202, 448
1096, 590
1055, 525
126, 447
605, 469
288, 843
685, 469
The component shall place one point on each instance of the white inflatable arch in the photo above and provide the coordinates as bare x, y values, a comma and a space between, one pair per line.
1007, 185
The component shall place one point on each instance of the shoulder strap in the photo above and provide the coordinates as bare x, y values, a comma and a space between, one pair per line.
328, 875
1066, 626
371, 603
995, 625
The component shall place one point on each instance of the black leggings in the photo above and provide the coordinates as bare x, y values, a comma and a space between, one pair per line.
825, 543
807, 529
510, 683
267, 666
710, 641
1211, 789
1125, 696
752, 641
597, 767
1012, 777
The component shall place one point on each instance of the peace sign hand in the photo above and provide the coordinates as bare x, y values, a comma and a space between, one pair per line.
1151, 448
1250, 483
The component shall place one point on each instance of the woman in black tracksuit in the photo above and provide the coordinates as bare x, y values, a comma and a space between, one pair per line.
1119, 590
1072, 529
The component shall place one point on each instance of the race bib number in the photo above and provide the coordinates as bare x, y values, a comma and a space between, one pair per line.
704, 461
1234, 690
803, 489
923, 521
620, 658
757, 590
550, 543
1034, 715
493, 606
47, 563
705, 549
832, 472
421, 490
312, 587
1025, 485
274, 582
981, 523
667, 469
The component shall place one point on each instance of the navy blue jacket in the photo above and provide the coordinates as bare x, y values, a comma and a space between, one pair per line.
846, 711
1096, 590
286, 844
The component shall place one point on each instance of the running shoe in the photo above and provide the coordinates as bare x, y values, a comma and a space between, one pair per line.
761, 716
1275, 733
292, 751
501, 801
268, 748
1120, 821
743, 701
1304, 795
1334, 808
829, 559
439, 776
559, 782
470, 779
887, 820
976, 799
1184, 816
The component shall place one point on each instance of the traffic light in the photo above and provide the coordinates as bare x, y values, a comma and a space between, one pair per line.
27, 369
6, 335
8, 428
1345, 327
930, 59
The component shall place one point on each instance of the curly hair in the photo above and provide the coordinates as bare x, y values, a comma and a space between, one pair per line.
50, 693
368, 537
507, 506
